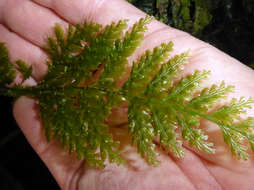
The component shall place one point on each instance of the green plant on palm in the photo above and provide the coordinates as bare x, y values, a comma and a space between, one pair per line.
74, 105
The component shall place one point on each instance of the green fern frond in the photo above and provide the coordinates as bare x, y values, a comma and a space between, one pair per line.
24, 69
7, 71
74, 104
114, 66
164, 79
209, 96
144, 70
231, 112
187, 86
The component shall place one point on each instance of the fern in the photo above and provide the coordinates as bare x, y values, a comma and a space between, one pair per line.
74, 105
7, 71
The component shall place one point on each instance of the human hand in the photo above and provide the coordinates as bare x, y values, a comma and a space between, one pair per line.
24, 27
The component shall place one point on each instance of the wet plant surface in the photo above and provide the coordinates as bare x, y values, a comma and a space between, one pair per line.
231, 29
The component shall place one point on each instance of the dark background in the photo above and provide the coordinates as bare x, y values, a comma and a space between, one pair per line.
231, 30
20, 167
230, 27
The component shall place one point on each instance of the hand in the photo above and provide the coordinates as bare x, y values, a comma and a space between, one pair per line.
24, 26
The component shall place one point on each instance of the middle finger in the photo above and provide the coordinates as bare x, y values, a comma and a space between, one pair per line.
29, 20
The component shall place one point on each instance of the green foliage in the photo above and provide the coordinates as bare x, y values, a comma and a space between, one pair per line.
7, 71
24, 69
74, 104
188, 15
184, 19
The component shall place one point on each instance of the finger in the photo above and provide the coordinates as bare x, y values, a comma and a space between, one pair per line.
22, 49
64, 168
104, 12
29, 20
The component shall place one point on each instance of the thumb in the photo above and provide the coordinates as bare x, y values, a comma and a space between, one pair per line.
64, 167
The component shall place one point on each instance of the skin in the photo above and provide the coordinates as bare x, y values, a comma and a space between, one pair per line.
24, 26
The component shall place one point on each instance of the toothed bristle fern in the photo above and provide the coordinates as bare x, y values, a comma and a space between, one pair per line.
74, 104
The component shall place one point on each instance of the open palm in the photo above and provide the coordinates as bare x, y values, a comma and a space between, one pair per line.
24, 27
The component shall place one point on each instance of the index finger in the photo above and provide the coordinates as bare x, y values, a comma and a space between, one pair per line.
101, 12
105, 11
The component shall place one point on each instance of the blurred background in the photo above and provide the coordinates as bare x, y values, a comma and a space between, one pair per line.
226, 24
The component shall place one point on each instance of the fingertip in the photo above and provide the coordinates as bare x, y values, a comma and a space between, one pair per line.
26, 114
20, 105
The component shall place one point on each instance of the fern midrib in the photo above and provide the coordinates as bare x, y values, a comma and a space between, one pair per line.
172, 95
37, 91
208, 96
193, 112
168, 72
